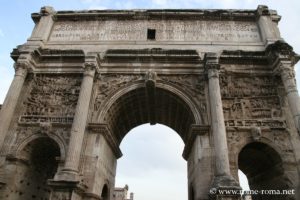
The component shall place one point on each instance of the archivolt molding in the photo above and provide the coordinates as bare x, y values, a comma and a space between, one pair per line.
276, 139
110, 91
25, 135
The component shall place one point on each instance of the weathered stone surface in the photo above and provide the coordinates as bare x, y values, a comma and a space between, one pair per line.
222, 79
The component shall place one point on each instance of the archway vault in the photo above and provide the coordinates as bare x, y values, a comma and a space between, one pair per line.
149, 102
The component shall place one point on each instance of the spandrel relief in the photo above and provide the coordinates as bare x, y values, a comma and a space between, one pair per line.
107, 85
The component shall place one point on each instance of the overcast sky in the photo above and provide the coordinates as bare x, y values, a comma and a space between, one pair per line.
152, 164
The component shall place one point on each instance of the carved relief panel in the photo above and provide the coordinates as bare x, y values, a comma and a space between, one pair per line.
52, 99
251, 101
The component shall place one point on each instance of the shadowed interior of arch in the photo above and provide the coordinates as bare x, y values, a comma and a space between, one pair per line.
39, 164
135, 108
105, 193
263, 167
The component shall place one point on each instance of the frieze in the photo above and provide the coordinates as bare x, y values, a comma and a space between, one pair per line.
52, 99
270, 123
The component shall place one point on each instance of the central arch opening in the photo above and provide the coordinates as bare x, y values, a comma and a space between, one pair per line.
152, 164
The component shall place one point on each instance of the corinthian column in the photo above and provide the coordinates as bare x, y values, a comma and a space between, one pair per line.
70, 169
11, 100
287, 74
223, 176
283, 58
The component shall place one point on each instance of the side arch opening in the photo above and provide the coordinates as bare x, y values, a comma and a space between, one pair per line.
38, 163
263, 167
105, 193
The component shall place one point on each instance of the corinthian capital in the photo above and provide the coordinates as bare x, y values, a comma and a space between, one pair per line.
89, 68
212, 65
280, 51
286, 71
21, 68
213, 73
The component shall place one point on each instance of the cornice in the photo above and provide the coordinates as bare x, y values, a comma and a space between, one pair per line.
243, 57
155, 55
280, 51
159, 14
195, 130
110, 138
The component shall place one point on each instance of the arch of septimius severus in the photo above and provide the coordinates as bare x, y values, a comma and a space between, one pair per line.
224, 80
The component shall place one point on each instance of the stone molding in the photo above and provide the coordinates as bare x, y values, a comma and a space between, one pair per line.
105, 131
195, 130
155, 14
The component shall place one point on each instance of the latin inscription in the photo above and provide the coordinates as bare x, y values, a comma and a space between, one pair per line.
170, 30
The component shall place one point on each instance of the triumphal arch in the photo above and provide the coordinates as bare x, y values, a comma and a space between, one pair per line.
222, 79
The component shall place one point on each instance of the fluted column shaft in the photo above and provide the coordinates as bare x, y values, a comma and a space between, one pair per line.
11, 100
217, 123
287, 74
80, 120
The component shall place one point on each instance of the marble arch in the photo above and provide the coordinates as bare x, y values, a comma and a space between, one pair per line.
81, 74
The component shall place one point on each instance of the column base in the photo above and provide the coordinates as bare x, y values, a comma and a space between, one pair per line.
67, 175
225, 188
